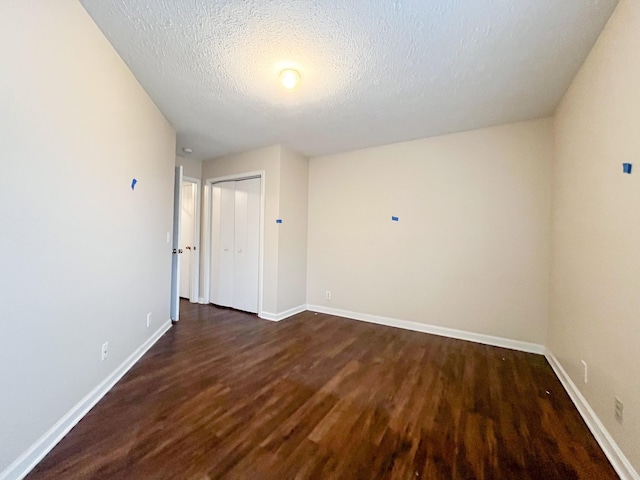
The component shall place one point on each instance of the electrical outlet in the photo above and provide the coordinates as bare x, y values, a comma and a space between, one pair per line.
586, 372
105, 350
618, 410
327, 295
148, 319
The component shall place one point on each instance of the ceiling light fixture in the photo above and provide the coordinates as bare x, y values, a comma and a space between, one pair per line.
289, 78
187, 150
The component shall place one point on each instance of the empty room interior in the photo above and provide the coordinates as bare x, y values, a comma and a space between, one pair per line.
324, 239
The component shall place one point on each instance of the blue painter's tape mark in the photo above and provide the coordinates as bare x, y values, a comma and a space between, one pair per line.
133, 184
626, 167
279, 220
395, 219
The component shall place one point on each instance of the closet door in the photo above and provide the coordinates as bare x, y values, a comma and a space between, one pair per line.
247, 243
222, 244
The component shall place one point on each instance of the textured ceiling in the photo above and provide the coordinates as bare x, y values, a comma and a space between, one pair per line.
373, 71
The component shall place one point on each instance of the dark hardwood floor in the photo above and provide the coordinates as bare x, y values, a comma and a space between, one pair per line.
226, 395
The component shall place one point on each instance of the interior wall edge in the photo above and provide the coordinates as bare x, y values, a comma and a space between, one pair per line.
26, 462
276, 317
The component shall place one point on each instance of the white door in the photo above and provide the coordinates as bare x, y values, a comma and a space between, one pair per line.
187, 224
222, 230
175, 263
246, 243
235, 243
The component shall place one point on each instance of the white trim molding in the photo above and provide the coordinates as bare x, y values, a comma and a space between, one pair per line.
433, 329
29, 459
618, 460
276, 317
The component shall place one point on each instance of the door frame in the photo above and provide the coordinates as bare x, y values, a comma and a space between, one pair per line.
194, 287
206, 229
174, 310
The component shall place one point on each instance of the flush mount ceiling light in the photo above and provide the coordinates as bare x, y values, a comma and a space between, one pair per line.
289, 78
188, 151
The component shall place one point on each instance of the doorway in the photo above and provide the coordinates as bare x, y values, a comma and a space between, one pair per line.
234, 241
189, 243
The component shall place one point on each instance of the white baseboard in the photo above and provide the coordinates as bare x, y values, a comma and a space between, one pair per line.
433, 329
618, 460
272, 317
29, 459
276, 317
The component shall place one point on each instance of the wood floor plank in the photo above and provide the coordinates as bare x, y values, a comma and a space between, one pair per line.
225, 395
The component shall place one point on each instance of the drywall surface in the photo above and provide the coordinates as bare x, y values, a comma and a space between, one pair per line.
596, 229
267, 160
84, 257
292, 244
470, 249
190, 167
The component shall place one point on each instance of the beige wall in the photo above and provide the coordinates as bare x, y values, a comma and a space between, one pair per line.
83, 257
292, 246
596, 228
471, 248
267, 159
190, 167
